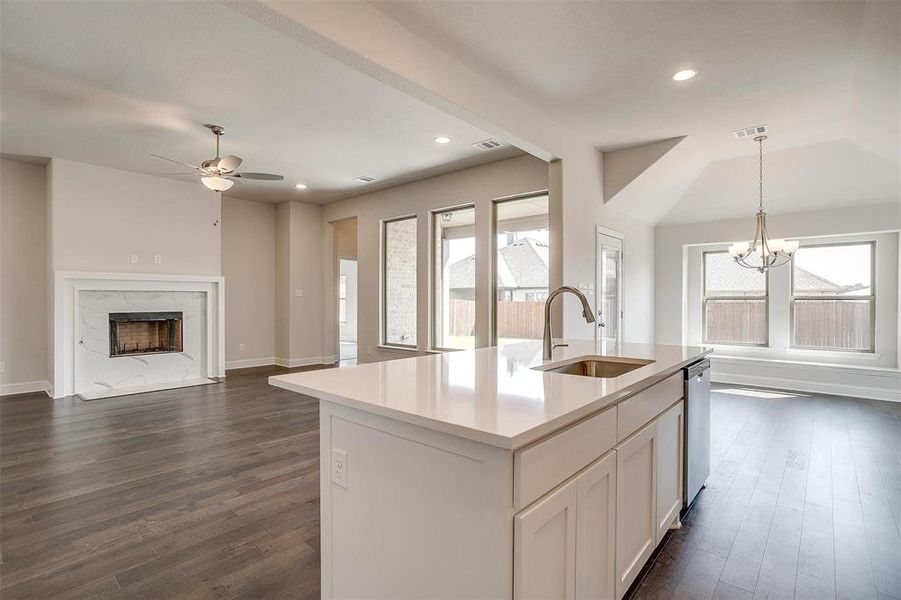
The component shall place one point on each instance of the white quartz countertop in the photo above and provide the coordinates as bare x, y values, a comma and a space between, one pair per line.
490, 395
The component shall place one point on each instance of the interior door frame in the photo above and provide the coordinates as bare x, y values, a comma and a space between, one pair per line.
601, 230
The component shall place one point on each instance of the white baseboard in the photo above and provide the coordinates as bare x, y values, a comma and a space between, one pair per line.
26, 387
303, 362
823, 379
249, 362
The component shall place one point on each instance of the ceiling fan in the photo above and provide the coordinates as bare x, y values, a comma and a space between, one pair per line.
218, 174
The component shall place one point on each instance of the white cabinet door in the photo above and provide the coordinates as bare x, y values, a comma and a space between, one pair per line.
596, 530
669, 468
636, 504
545, 547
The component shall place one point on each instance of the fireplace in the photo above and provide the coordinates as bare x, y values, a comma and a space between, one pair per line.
134, 333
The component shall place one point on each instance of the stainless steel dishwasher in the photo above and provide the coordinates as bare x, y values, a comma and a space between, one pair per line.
696, 459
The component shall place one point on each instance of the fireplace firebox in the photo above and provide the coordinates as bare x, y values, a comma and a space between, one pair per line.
134, 333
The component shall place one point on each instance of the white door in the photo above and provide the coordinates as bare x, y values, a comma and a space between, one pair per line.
609, 287
669, 468
636, 505
596, 530
545, 547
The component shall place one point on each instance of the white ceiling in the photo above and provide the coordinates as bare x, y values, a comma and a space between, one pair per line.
108, 83
825, 77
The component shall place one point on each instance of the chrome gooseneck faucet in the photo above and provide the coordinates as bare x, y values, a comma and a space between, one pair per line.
549, 344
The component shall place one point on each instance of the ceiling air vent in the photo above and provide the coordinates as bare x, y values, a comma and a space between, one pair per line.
364, 179
749, 132
489, 144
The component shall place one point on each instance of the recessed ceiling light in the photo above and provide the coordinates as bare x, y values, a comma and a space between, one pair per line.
442, 139
300, 186
684, 74
364, 179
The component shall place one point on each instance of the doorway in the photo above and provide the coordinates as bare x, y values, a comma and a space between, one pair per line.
609, 286
347, 309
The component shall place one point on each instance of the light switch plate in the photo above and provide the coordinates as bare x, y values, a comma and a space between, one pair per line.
157, 259
339, 467
134, 259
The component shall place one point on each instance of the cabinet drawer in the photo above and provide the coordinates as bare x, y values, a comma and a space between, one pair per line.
641, 408
540, 467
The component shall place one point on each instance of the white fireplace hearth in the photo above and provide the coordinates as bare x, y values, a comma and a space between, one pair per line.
91, 363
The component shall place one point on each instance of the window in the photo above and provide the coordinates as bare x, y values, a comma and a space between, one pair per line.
735, 302
521, 268
454, 299
833, 302
342, 298
399, 281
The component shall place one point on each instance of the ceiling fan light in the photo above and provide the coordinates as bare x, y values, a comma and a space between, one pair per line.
217, 184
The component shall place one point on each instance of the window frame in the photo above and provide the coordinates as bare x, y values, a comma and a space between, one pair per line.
433, 272
383, 278
871, 298
705, 298
493, 250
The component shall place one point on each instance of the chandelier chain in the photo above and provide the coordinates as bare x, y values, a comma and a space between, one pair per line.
760, 169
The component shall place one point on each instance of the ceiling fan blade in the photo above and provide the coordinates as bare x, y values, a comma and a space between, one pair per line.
263, 176
178, 162
229, 163
186, 173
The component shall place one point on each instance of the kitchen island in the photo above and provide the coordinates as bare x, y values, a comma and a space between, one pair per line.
493, 474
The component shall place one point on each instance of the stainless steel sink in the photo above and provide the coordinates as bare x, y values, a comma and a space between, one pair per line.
597, 366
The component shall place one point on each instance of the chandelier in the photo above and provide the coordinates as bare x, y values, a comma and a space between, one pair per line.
763, 252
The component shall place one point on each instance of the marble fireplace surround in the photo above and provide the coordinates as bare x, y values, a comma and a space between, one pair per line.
74, 293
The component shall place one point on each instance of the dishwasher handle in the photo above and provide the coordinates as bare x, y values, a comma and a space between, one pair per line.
697, 370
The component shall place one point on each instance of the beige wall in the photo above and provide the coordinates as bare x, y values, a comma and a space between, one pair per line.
248, 264
299, 296
581, 187
345, 233
477, 185
306, 273
23, 285
102, 216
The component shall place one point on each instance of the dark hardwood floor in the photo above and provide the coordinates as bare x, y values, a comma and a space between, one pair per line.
804, 502
212, 492
204, 492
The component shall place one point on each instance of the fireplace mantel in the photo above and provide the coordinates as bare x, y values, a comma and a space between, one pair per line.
68, 285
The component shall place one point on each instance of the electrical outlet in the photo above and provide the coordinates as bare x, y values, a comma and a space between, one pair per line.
134, 259
2, 366
339, 467
157, 259
368, 349
298, 293
241, 347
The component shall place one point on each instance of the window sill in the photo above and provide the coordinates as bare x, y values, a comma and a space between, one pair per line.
397, 348
806, 363
832, 354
